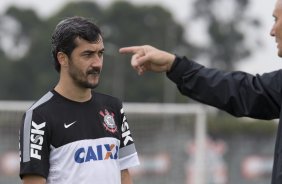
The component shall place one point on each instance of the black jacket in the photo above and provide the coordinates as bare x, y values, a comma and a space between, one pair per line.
238, 93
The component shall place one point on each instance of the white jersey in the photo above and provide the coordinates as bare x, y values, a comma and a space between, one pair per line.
69, 142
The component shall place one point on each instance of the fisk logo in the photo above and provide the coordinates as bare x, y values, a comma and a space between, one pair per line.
36, 138
126, 135
95, 153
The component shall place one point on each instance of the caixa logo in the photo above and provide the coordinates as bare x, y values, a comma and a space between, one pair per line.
94, 153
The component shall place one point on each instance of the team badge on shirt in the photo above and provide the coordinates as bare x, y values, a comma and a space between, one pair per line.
109, 121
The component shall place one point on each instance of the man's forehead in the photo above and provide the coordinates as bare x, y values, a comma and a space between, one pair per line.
279, 3
98, 43
277, 8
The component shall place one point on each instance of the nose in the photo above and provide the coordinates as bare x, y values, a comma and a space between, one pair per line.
97, 61
272, 31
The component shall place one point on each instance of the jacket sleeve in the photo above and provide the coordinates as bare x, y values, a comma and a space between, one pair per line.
238, 93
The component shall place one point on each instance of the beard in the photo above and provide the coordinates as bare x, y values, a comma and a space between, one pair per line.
81, 79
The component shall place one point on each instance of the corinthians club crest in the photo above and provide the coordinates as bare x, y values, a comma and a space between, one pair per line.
109, 121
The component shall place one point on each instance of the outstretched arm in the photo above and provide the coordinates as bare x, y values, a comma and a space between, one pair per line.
148, 58
239, 93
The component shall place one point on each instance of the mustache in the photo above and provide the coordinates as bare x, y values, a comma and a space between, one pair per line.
95, 71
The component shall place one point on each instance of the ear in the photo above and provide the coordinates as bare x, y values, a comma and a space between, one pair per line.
63, 59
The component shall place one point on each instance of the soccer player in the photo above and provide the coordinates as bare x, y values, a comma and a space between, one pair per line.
73, 135
239, 93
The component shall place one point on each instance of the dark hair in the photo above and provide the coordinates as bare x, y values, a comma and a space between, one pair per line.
65, 33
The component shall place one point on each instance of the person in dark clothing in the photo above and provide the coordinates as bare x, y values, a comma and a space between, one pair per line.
238, 93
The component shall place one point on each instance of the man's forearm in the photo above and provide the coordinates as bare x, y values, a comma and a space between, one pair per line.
125, 177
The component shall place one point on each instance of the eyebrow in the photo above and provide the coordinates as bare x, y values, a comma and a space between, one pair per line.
91, 51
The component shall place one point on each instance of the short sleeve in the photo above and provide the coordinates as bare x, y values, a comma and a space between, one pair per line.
127, 155
34, 145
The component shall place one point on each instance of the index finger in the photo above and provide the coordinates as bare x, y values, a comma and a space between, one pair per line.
129, 50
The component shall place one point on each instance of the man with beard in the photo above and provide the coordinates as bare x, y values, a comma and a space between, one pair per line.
73, 134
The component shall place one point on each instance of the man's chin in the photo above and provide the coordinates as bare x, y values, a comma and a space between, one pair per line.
279, 51
89, 85
93, 86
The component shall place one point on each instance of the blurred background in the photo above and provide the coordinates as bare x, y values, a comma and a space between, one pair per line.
231, 35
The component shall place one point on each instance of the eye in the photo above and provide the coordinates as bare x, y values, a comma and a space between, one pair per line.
87, 54
101, 53
275, 19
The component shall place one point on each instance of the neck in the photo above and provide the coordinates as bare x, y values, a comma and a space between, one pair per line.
73, 92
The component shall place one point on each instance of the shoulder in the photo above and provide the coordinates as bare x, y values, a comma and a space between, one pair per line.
104, 98
42, 101
48, 103
38, 110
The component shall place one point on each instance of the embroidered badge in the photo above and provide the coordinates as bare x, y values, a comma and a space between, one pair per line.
109, 121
